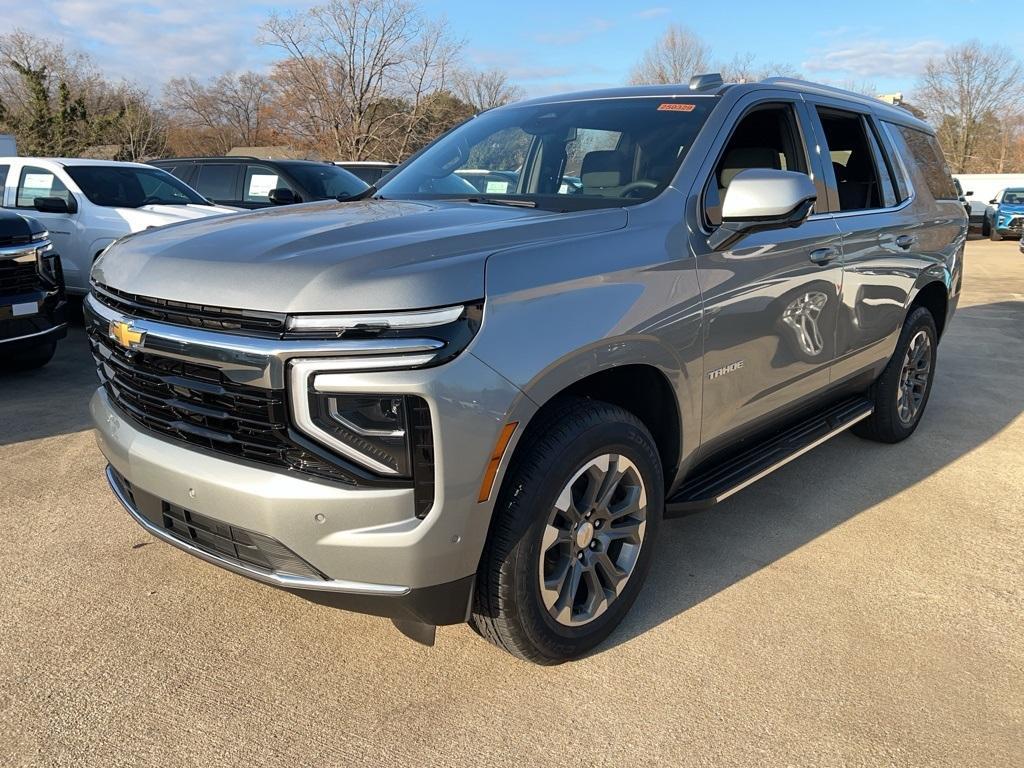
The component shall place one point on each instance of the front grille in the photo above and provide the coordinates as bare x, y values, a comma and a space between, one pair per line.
1016, 224
198, 405
18, 277
14, 240
236, 544
249, 322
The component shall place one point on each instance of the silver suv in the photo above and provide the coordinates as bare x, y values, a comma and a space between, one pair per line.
445, 404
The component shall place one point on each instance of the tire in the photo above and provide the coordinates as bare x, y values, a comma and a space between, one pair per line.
574, 439
986, 230
36, 357
994, 236
888, 423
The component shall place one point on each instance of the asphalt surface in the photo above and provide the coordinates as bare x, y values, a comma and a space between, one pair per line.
862, 606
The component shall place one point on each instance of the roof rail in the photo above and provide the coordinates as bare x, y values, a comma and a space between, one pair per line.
810, 85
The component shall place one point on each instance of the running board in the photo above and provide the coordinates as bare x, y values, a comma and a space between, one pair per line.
723, 480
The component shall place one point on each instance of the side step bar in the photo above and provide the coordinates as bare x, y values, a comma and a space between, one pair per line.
721, 481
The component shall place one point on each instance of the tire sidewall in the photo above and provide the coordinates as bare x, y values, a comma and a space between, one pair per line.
921, 319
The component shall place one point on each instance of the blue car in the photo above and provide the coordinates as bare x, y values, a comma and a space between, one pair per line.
1006, 216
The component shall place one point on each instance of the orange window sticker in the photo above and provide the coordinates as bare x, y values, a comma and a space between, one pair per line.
675, 107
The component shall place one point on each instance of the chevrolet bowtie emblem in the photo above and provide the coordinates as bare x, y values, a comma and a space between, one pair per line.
125, 335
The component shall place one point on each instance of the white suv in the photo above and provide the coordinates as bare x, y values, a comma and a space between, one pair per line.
88, 204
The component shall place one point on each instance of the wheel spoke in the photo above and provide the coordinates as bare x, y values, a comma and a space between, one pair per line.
629, 505
554, 536
612, 575
567, 594
553, 586
609, 483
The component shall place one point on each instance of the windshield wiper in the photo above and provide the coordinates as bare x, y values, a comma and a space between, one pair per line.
502, 201
368, 192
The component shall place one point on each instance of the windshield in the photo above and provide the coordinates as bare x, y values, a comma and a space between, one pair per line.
1013, 197
323, 181
561, 156
124, 186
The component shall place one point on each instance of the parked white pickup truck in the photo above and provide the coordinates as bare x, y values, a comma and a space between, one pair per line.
88, 204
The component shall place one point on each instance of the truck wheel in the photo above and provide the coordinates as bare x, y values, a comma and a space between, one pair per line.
36, 357
901, 393
994, 236
573, 533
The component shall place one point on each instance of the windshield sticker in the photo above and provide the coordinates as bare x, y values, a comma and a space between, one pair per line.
671, 106
497, 187
38, 182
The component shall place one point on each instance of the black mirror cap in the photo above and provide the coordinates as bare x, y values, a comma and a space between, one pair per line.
55, 205
281, 196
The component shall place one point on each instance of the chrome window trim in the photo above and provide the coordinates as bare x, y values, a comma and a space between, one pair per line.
266, 577
262, 362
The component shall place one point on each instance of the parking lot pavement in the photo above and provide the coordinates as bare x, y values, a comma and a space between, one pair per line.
862, 606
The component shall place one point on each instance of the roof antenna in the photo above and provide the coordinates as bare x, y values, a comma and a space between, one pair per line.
706, 82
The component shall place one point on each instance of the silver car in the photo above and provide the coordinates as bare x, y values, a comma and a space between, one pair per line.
444, 405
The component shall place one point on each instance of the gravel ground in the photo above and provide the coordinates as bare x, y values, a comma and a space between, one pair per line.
862, 606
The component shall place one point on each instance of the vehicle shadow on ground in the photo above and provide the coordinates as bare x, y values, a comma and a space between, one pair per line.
54, 399
979, 391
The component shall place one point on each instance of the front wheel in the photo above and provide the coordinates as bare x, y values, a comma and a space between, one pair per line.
573, 533
994, 236
901, 392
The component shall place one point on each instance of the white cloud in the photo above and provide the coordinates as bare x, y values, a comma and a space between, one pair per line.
874, 58
652, 13
582, 32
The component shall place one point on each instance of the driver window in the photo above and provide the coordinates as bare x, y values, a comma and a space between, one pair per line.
766, 137
259, 181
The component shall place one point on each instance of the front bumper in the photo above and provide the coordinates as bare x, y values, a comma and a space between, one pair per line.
375, 554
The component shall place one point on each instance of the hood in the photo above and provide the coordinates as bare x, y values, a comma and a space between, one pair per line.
335, 257
1011, 208
16, 229
158, 215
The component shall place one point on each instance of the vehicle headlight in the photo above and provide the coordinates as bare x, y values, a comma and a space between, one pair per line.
387, 433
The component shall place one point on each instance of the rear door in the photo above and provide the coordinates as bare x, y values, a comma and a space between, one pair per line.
890, 234
771, 301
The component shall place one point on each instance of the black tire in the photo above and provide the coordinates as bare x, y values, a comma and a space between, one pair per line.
886, 425
36, 357
508, 608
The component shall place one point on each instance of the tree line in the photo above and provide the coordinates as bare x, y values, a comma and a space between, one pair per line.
378, 79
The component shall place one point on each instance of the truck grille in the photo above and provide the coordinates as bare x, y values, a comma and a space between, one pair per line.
196, 404
18, 277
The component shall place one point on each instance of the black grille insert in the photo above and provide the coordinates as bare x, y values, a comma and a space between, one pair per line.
198, 405
17, 276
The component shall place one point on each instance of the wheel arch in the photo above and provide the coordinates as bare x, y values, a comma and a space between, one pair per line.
933, 296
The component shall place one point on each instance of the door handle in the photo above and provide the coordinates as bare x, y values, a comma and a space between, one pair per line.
906, 241
823, 255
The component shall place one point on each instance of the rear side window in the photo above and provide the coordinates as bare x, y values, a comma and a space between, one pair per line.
927, 155
4, 170
39, 182
217, 181
855, 157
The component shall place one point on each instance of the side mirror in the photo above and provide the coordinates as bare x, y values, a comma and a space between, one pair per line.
760, 199
993, 201
968, 193
55, 205
281, 196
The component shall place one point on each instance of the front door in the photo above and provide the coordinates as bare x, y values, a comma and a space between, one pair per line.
771, 301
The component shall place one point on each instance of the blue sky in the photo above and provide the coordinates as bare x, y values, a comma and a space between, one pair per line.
547, 46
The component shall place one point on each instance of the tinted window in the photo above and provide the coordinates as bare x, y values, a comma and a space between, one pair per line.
259, 180
854, 162
217, 181
927, 154
4, 170
368, 173
567, 155
766, 137
115, 186
1013, 197
39, 182
323, 181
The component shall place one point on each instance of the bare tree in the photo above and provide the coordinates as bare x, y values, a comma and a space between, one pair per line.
965, 92
141, 130
357, 71
486, 89
678, 55
229, 111
745, 68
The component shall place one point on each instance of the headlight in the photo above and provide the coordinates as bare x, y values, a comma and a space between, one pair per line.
372, 430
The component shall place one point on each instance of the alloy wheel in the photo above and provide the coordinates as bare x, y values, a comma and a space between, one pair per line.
914, 376
592, 539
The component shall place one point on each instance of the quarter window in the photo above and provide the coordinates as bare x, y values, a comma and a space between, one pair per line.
39, 182
927, 154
